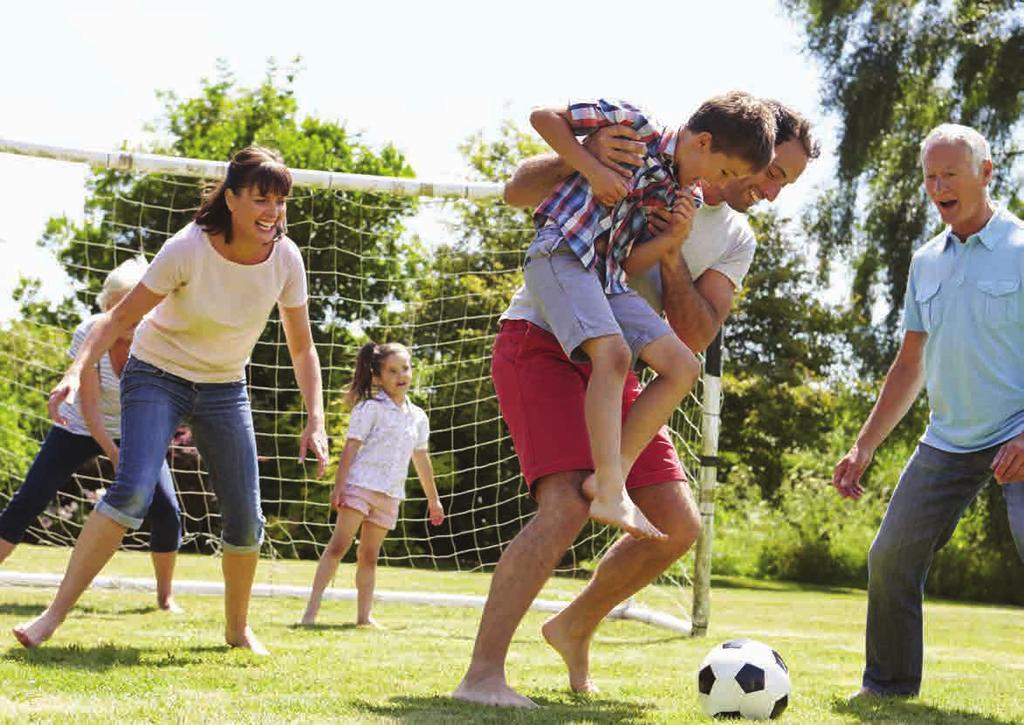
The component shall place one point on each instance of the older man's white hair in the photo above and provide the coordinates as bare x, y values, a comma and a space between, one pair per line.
121, 280
954, 133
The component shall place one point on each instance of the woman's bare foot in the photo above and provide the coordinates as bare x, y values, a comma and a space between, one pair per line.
619, 511
247, 640
170, 606
33, 633
491, 691
575, 651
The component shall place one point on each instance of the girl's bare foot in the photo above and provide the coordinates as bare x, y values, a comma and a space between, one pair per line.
247, 640
619, 511
170, 606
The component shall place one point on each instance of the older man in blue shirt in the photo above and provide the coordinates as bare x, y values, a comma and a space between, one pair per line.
964, 339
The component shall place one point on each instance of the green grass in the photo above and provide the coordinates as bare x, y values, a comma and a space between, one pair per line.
118, 659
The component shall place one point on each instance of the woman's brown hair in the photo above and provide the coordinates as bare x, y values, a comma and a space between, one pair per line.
253, 166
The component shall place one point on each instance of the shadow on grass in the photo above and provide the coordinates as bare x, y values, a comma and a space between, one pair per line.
22, 610
897, 709
110, 656
436, 709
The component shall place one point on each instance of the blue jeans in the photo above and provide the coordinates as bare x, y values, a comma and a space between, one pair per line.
933, 492
153, 404
61, 454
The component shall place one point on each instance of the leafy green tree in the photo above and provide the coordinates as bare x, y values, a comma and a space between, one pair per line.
782, 344
893, 70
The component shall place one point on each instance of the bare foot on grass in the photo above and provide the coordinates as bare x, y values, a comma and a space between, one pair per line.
575, 651
247, 640
618, 510
370, 623
491, 691
170, 606
33, 633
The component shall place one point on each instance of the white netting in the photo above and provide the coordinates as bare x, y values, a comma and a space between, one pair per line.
368, 274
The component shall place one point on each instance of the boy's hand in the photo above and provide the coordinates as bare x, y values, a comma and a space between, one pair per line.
676, 223
608, 187
436, 511
614, 146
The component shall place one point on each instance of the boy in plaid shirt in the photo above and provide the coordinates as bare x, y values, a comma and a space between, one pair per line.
591, 234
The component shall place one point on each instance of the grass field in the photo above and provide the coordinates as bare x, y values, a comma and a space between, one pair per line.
117, 659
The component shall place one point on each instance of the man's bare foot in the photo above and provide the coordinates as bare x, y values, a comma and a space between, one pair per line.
33, 633
370, 623
491, 691
619, 511
247, 640
575, 651
170, 606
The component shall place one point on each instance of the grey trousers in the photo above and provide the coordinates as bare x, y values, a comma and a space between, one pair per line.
933, 492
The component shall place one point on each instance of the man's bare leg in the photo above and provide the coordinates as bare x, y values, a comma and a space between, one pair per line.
628, 567
525, 565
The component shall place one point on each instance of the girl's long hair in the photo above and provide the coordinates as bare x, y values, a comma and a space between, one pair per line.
253, 166
368, 362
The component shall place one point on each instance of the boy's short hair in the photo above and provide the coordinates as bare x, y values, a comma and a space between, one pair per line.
740, 125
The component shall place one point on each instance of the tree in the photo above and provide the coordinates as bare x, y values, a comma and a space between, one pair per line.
893, 70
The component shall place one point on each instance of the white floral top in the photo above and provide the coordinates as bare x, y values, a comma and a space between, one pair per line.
389, 435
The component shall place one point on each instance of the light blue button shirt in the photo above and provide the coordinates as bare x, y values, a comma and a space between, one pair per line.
968, 297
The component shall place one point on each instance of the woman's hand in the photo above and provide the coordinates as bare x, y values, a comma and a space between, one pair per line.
314, 438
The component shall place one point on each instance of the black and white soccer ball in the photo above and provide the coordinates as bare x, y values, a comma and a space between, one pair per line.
743, 678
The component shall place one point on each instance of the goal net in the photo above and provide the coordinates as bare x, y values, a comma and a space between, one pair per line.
429, 265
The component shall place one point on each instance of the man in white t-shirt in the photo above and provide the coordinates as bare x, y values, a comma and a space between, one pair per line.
541, 395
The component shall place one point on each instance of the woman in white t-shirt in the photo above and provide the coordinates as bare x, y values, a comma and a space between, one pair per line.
385, 430
203, 303
93, 426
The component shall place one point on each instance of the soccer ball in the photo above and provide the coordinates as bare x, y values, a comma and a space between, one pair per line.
743, 678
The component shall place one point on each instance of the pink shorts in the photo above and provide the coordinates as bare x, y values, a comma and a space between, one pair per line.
541, 394
378, 508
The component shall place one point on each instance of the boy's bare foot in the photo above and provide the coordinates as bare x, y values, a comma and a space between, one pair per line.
247, 640
575, 651
33, 633
619, 511
491, 691
370, 623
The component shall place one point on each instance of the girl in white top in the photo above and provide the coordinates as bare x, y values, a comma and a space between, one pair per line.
385, 430
210, 288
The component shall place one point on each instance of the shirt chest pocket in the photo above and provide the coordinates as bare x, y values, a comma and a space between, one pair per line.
927, 298
997, 302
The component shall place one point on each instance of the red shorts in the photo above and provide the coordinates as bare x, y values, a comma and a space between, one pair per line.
541, 394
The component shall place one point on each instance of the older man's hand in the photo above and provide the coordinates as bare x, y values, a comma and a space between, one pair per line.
847, 473
1008, 465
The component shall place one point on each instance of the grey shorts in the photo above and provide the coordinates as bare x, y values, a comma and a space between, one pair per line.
574, 305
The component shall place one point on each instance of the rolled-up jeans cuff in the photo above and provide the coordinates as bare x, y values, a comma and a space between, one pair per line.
234, 549
118, 516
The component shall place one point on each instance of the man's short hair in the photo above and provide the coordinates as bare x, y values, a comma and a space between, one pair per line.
740, 125
954, 133
790, 124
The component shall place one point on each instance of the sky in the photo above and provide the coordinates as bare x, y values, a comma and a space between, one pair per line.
421, 75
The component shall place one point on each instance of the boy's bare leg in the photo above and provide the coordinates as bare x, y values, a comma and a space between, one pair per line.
677, 370
606, 487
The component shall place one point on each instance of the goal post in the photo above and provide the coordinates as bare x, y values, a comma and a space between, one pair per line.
385, 256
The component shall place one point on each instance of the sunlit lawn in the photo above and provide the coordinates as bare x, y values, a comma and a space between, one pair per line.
118, 659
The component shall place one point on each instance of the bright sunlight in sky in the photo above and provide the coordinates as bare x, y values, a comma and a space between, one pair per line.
422, 75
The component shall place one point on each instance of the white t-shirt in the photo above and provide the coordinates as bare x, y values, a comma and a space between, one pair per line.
214, 311
721, 239
389, 435
110, 390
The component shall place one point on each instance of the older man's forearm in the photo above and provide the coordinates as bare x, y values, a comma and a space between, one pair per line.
689, 315
534, 179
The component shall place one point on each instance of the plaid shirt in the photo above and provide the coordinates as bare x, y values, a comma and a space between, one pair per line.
582, 219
